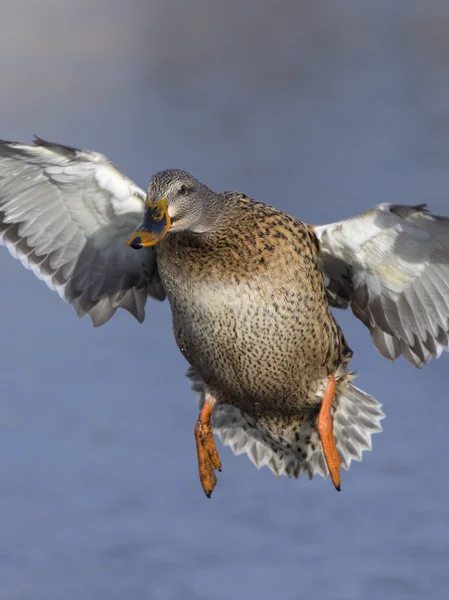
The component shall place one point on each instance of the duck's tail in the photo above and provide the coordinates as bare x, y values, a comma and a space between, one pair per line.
357, 416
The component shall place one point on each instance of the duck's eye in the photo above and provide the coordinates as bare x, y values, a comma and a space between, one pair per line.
184, 190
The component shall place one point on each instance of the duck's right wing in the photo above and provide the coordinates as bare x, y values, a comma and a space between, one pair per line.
66, 214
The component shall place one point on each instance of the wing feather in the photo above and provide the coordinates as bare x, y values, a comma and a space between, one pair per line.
391, 265
66, 213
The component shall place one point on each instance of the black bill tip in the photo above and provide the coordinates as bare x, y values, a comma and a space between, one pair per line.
136, 242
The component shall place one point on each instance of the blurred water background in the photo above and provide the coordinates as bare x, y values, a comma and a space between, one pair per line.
321, 108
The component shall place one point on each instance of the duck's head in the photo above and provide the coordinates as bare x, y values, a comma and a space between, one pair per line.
176, 201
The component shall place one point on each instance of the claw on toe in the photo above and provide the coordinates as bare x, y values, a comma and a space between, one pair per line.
326, 432
208, 459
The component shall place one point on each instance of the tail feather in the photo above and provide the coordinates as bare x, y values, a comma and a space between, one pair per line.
357, 417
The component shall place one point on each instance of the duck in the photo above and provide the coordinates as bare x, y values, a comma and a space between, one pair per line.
250, 290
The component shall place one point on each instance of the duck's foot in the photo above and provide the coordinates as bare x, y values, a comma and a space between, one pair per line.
208, 459
326, 432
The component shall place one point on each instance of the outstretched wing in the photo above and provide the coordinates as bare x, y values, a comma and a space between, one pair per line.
391, 266
66, 214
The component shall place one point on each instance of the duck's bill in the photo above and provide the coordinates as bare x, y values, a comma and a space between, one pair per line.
154, 226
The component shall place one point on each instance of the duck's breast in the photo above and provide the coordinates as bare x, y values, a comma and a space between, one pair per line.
254, 328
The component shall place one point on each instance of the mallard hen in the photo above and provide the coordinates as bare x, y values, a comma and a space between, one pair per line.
250, 290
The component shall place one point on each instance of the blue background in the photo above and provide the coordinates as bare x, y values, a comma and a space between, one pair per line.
321, 108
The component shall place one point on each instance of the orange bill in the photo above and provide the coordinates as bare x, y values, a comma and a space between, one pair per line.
154, 226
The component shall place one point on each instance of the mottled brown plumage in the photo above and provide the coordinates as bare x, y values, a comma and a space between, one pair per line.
249, 309
250, 312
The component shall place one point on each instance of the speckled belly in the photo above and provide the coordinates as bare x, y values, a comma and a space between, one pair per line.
253, 349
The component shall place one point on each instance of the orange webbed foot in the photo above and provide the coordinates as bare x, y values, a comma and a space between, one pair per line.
326, 432
208, 459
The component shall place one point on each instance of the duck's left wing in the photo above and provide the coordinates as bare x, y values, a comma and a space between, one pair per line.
391, 266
